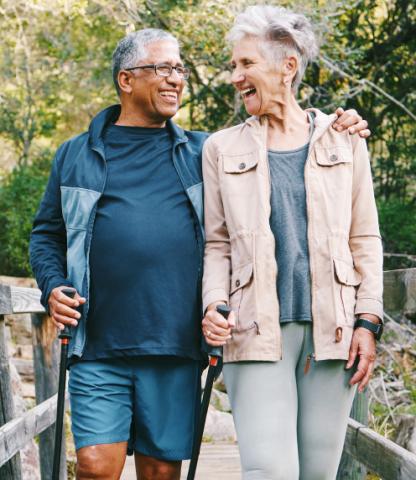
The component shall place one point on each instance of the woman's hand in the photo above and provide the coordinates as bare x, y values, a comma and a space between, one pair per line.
351, 120
217, 329
363, 345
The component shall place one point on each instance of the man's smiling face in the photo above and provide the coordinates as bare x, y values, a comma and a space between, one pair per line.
156, 98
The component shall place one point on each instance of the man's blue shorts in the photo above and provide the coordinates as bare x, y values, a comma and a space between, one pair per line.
152, 402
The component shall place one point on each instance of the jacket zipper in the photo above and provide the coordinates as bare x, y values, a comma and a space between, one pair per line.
87, 252
309, 219
270, 194
198, 226
307, 367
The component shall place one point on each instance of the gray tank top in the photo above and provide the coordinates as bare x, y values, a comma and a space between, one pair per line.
288, 221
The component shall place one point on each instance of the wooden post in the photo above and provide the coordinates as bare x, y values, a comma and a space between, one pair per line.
12, 470
46, 365
399, 295
350, 469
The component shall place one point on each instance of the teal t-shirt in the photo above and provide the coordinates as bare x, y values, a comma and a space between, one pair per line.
144, 262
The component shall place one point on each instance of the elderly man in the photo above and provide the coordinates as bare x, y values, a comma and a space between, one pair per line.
121, 222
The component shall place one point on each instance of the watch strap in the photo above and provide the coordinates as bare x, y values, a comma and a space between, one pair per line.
376, 328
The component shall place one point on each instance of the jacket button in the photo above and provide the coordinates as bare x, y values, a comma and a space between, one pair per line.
333, 157
338, 334
242, 166
237, 283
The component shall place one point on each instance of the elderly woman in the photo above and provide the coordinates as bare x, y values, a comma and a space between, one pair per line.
293, 246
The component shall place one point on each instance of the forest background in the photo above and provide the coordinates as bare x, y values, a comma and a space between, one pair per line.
55, 75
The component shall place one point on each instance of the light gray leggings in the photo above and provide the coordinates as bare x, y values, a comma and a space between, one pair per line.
290, 426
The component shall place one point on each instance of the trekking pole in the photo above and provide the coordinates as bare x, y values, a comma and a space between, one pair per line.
65, 335
215, 353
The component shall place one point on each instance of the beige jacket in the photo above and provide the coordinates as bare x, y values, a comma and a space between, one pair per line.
345, 249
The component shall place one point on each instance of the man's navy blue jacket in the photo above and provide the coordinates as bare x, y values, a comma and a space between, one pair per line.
61, 236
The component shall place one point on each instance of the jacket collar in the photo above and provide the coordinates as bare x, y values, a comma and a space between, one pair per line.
322, 123
178, 134
109, 115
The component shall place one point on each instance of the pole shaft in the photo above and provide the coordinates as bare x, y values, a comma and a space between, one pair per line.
60, 412
201, 424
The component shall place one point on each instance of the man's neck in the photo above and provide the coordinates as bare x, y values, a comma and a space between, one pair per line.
129, 118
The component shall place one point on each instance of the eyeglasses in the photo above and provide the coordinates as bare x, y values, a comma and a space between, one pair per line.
165, 70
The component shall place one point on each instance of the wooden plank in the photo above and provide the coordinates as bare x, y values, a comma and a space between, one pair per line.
26, 300
217, 461
18, 432
380, 455
11, 470
46, 357
6, 307
349, 468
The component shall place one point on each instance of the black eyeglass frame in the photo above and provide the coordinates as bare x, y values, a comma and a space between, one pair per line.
183, 72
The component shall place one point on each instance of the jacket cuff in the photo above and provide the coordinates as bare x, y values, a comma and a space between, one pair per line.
369, 305
47, 291
216, 295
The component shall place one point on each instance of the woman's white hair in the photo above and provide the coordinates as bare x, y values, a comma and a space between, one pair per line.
283, 34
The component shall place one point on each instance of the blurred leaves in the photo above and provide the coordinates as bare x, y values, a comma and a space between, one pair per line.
56, 75
20, 195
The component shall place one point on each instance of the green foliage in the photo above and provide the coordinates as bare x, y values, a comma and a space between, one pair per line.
369, 65
56, 75
20, 195
397, 225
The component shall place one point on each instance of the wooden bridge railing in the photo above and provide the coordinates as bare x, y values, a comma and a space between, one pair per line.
364, 449
16, 432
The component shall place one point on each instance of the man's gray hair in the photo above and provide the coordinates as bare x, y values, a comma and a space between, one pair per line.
132, 48
283, 33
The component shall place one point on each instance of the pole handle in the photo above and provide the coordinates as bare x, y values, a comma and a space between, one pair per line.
225, 311
66, 332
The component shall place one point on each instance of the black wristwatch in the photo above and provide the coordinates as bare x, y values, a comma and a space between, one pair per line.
376, 328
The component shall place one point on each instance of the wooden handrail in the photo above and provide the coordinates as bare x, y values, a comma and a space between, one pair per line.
380, 455
15, 432
19, 300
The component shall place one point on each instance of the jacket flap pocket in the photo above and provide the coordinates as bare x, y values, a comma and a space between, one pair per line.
330, 156
346, 274
241, 277
240, 163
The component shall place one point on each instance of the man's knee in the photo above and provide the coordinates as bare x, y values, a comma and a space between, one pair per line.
152, 469
104, 462
88, 466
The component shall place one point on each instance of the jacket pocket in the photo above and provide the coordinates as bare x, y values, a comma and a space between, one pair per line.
331, 156
242, 298
240, 163
347, 281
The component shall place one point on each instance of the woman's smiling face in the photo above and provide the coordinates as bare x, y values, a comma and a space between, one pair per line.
258, 79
